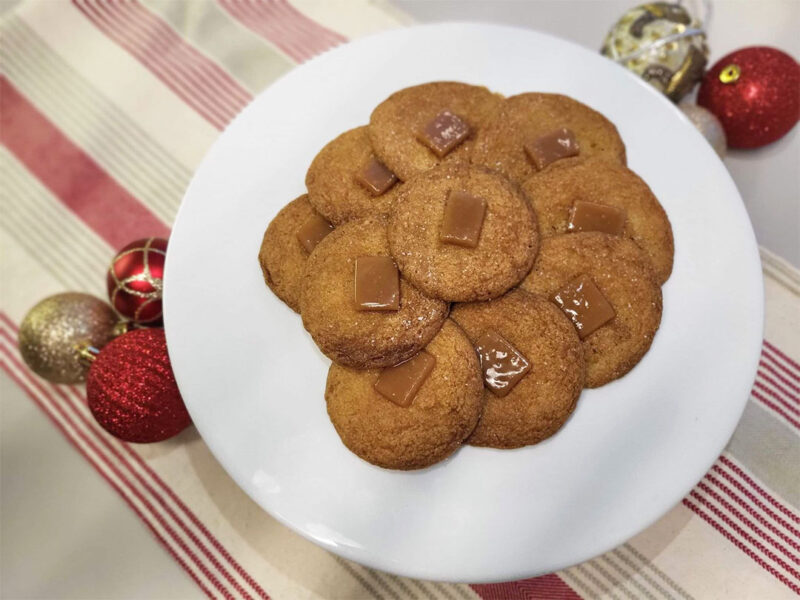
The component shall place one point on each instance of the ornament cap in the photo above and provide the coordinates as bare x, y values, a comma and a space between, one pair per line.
86, 353
730, 74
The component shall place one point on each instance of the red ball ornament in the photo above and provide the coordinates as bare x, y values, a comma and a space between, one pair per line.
755, 93
131, 389
135, 280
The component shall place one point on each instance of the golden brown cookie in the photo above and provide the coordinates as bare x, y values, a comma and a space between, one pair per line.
624, 276
358, 338
545, 397
522, 119
554, 191
333, 188
506, 246
443, 412
395, 123
282, 257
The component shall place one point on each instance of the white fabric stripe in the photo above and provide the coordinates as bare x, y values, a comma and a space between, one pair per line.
74, 431
789, 400
59, 239
615, 583
590, 580
108, 68
649, 572
577, 583
774, 414
353, 18
123, 151
631, 580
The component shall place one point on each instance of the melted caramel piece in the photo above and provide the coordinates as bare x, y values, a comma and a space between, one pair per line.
401, 383
463, 219
588, 216
377, 285
312, 231
503, 365
375, 177
444, 132
585, 305
554, 146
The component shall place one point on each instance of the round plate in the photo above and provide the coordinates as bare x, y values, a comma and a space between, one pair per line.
253, 380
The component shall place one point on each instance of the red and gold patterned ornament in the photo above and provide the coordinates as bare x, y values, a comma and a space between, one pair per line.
135, 281
131, 389
755, 93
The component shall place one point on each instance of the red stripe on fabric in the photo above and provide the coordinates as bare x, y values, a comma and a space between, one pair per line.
82, 436
546, 587
106, 440
73, 177
760, 561
764, 494
768, 367
789, 360
776, 408
792, 542
781, 398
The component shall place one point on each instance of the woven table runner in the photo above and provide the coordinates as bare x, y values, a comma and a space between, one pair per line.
106, 109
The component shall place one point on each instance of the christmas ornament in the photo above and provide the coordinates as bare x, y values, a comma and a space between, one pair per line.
708, 125
663, 44
131, 389
755, 93
52, 332
135, 280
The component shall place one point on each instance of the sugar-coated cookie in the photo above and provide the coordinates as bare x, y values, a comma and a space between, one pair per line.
554, 191
522, 119
506, 244
624, 276
442, 413
363, 338
397, 122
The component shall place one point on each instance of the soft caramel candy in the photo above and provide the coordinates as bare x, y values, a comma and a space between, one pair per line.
588, 216
375, 177
401, 383
503, 365
312, 231
377, 283
444, 132
554, 146
463, 219
585, 305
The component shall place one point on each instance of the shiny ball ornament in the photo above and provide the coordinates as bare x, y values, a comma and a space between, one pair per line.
755, 93
131, 389
53, 331
663, 44
708, 125
135, 281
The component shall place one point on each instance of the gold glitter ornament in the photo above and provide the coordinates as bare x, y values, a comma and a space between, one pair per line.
663, 44
54, 331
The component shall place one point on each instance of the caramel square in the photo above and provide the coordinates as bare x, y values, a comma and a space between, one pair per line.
375, 177
401, 383
584, 303
588, 216
313, 231
503, 365
551, 147
463, 219
377, 283
444, 132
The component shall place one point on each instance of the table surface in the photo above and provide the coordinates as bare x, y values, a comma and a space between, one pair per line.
91, 545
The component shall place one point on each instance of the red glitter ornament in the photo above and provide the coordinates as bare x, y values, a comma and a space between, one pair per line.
755, 93
135, 280
132, 391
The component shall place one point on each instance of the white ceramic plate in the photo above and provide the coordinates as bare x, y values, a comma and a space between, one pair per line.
253, 380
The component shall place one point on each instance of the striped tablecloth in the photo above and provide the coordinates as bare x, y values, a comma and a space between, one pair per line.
106, 109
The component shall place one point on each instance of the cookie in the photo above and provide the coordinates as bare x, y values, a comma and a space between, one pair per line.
363, 338
396, 123
624, 276
544, 398
506, 244
281, 256
442, 413
333, 180
554, 191
523, 119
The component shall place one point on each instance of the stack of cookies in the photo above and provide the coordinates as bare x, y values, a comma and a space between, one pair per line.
469, 263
